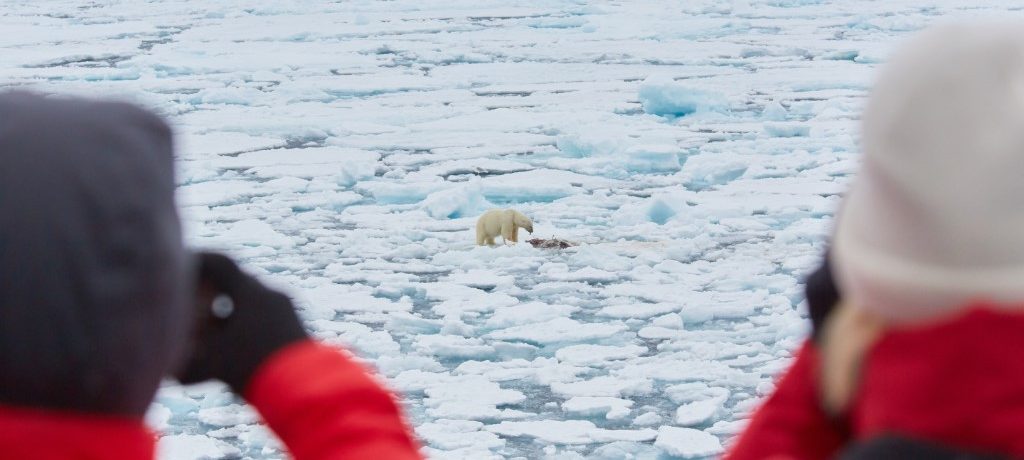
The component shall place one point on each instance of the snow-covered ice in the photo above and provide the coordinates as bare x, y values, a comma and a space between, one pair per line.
694, 152
194, 447
589, 406
569, 432
687, 442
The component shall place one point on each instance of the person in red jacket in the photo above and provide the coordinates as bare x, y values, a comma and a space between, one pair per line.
99, 301
916, 357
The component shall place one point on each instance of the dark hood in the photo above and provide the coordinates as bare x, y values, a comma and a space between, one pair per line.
93, 275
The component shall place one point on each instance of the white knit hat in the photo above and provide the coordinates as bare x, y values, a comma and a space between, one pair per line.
935, 219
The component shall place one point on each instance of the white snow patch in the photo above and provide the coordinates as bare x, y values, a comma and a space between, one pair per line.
588, 354
591, 406
647, 419
662, 95
458, 434
527, 313
194, 447
569, 432
687, 442
787, 129
231, 415
604, 386
558, 330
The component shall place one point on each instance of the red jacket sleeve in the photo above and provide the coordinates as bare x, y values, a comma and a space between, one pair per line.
42, 434
790, 424
325, 406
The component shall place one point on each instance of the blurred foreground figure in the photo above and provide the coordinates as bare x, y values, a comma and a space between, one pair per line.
914, 351
99, 301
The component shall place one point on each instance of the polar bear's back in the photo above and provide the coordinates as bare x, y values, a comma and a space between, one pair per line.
490, 221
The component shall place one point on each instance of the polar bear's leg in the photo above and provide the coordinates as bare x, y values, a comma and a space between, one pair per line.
488, 226
515, 233
508, 226
506, 232
481, 232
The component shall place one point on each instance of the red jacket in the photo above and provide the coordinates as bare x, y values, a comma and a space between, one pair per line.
960, 383
323, 405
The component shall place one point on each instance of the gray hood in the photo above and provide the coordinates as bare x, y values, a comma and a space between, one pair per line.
93, 275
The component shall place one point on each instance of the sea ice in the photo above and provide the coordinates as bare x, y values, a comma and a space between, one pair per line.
341, 151
558, 330
661, 95
457, 434
527, 313
452, 346
687, 442
461, 201
568, 432
591, 406
469, 397
774, 111
587, 354
228, 415
158, 416
194, 447
697, 412
604, 386
787, 129
648, 419
625, 450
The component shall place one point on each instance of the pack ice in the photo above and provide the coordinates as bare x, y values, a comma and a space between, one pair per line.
694, 151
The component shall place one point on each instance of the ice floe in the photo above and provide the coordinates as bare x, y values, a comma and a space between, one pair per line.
693, 155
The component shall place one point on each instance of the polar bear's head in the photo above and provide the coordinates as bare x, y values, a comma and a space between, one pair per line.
522, 221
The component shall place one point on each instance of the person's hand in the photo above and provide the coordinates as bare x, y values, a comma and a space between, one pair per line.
240, 323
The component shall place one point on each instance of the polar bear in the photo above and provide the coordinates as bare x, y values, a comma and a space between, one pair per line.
504, 222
